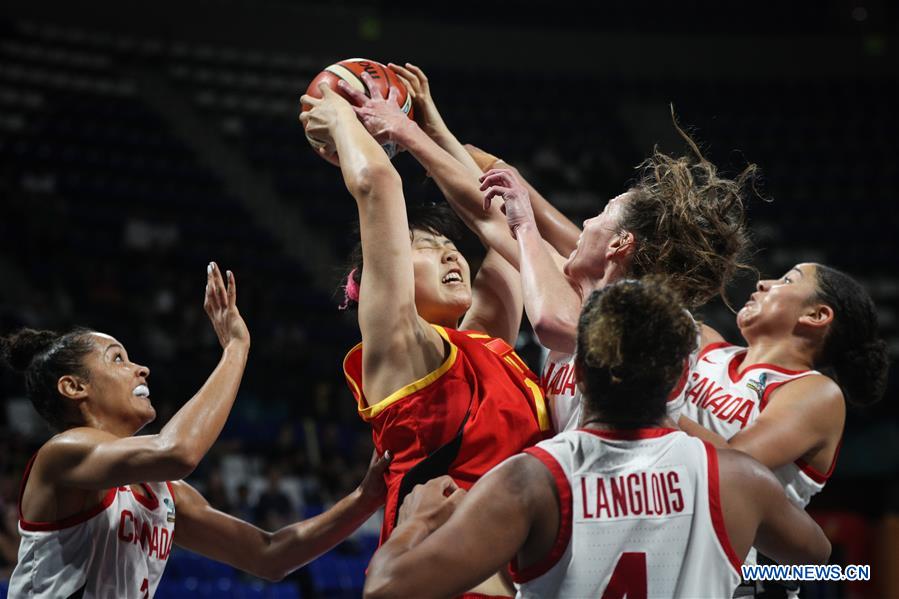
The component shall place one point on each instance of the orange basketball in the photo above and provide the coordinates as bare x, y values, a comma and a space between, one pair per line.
350, 70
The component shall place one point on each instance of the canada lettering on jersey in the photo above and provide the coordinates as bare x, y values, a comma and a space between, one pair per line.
558, 379
709, 396
155, 540
644, 494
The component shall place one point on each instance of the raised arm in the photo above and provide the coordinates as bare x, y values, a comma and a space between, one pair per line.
554, 227
273, 555
429, 118
399, 346
89, 458
553, 306
386, 122
496, 290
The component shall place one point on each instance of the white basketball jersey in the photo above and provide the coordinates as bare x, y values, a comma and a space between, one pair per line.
117, 550
640, 517
560, 389
725, 396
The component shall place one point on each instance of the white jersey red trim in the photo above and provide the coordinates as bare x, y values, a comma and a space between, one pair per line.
564, 397
115, 550
640, 515
725, 396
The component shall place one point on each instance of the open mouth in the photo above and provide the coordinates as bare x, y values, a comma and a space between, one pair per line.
142, 391
453, 276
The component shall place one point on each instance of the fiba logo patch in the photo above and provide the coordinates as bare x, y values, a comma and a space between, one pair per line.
759, 385
169, 509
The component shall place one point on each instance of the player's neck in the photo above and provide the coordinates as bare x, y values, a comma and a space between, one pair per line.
791, 353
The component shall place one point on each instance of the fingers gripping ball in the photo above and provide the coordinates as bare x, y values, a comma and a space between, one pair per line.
350, 70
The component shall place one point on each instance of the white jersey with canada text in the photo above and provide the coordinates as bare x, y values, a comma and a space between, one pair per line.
725, 396
116, 550
640, 517
560, 388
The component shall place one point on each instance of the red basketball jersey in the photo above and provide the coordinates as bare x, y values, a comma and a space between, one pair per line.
481, 376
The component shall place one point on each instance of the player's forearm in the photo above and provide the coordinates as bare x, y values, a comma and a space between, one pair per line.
386, 578
298, 544
456, 181
461, 189
449, 142
554, 227
195, 427
694, 429
363, 162
552, 305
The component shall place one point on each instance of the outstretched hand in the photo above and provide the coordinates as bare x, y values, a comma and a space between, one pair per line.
382, 117
221, 307
426, 113
434, 502
323, 115
516, 206
373, 487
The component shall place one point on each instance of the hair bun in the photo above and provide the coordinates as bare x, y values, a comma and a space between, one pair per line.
20, 348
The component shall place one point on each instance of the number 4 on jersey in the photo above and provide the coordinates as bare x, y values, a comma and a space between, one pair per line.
628, 578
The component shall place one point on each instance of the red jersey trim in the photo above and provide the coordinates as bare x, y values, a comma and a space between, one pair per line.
712, 347
816, 475
370, 412
149, 501
629, 434
65, 522
563, 538
733, 368
716, 511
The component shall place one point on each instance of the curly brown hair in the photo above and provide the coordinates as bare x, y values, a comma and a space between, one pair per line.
634, 337
689, 223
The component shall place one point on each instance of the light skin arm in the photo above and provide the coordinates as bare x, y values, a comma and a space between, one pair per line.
751, 494
386, 122
423, 558
556, 228
496, 297
553, 306
801, 417
400, 346
496, 304
273, 555
89, 458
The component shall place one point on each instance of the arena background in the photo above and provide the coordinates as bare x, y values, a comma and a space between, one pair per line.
138, 142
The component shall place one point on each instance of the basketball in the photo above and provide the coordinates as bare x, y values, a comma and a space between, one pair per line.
350, 70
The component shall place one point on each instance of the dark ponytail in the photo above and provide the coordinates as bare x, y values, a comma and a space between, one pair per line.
853, 352
43, 357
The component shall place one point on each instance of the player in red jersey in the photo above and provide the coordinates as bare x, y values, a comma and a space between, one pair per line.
620, 507
438, 379
98, 514
681, 219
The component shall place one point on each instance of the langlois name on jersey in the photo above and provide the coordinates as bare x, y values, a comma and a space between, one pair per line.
156, 541
558, 379
637, 495
709, 396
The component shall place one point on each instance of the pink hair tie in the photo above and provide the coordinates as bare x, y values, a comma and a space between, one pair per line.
350, 290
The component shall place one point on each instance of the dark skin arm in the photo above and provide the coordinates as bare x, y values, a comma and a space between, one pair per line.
490, 527
93, 459
273, 555
757, 512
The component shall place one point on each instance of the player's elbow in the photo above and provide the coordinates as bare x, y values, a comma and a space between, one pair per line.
379, 587
553, 332
178, 458
372, 179
820, 551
